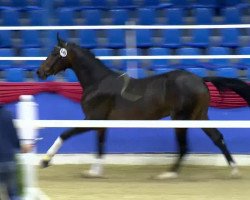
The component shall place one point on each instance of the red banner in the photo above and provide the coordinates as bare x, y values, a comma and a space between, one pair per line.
10, 92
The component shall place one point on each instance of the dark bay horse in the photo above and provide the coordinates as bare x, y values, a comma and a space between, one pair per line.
111, 96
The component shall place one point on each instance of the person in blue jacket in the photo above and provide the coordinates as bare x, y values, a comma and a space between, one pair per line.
9, 146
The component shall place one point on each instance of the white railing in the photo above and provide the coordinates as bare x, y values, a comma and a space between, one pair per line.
138, 123
131, 27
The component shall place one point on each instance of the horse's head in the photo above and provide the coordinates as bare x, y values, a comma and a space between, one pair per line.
56, 61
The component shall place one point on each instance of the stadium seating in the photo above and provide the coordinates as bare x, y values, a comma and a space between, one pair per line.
5, 39
88, 38
162, 70
92, 17
203, 16
7, 52
244, 62
184, 63
31, 39
10, 17
171, 38
136, 72
202, 72
200, 38
66, 16
159, 51
144, 38
230, 38
227, 72
123, 64
146, 16
115, 38
15, 74
174, 16
36, 17
31, 52
119, 16
231, 15
217, 63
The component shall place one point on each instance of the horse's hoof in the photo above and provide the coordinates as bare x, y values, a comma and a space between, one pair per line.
91, 174
167, 175
235, 173
44, 163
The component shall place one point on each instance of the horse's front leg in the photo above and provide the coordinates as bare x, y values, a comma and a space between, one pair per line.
59, 142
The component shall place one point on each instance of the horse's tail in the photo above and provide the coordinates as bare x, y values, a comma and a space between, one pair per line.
237, 85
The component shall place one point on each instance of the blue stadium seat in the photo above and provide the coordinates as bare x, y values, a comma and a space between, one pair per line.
115, 38
162, 70
229, 72
31, 52
203, 16
30, 39
71, 3
36, 17
171, 38
104, 52
70, 76
206, 4
232, 15
10, 17
123, 64
144, 38
5, 39
230, 38
244, 62
88, 38
136, 72
14, 75
92, 17
66, 16
157, 51
199, 71
179, 3
97, 4
146, 16
200, 38
231, 2
7, 52
174, 16
125, 4
188, 62
119, 16
217, 63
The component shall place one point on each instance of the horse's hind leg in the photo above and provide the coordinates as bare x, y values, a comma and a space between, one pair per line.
59, 142
215, 135
96, 169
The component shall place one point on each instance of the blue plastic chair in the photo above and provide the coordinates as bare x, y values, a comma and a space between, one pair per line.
230, 38
66, 16
199, 71
217, 63
146, 16
144, 38
70, 76
7, 52
5, 39
205, 4
162, 70
14, 75
200, 38
171, 38
123, 64
31, 52
179, 3
97, 4
36, 17
119, 16
244, 62
174, 16
71, 3
88, 38
10, 17
157, 51
203, 16
229, 72
125, 4
188, 62
115, 38
104, 52
232, 15
92, 17
30, 39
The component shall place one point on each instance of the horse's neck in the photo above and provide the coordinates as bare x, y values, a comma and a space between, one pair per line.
90, 74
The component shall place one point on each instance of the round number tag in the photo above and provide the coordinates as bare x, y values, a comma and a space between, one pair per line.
63, 52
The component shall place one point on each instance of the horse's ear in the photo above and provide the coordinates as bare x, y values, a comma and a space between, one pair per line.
61, 43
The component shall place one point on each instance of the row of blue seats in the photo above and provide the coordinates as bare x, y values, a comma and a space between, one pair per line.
145, 38
154, 63
144, 16
19, 74
130, 4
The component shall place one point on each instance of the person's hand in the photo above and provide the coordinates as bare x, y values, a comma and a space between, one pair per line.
26, 148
